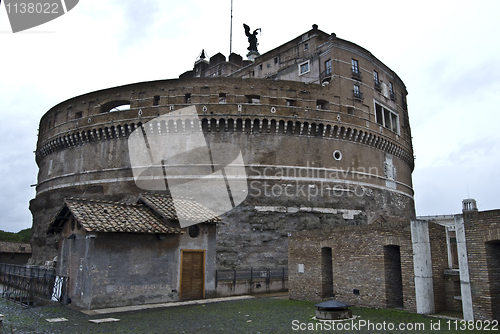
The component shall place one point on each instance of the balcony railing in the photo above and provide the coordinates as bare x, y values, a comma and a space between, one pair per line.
326, 75
356, 75
357, 95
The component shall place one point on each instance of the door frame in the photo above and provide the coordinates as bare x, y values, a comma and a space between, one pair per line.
204, 269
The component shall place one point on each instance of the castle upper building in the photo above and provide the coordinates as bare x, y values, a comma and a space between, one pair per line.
321, 126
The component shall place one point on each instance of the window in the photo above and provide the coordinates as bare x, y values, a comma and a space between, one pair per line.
222, 98
306, 46
377, 82
357, 93
386, 118
156, 100
391, 91
275, 60
355, 69
304, 68
253, 99
260, 67
328, 66
291, 103
187, 98
322, 104
78, 115
354, 66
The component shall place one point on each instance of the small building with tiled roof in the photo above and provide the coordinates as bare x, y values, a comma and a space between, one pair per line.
14, 252
118, 254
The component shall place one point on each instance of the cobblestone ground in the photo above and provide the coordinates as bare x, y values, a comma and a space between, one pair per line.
257, 315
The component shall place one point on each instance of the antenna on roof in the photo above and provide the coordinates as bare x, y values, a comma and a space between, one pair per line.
231, 31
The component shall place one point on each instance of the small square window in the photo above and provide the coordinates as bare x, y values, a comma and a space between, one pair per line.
304, 68
78, 115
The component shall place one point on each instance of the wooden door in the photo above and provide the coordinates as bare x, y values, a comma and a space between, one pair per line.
192, 274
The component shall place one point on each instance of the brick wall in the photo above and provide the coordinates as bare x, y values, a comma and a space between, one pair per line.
359, 264
482, 232
372, 265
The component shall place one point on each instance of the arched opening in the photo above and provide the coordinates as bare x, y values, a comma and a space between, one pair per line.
272, 128
319, 132
230, 125
239, 125
180, 128
297, 128
289, 127
118, 105
265, 126
305, 130
213, 125
313, 129
204, 125
256, 125
248, 125
222, 125
281, 127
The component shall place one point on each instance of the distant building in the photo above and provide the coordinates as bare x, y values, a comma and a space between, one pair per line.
14, 252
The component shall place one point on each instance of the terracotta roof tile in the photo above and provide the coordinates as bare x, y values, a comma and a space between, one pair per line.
117, 217
186, 208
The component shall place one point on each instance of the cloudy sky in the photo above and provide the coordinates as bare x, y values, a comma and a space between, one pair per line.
446, 52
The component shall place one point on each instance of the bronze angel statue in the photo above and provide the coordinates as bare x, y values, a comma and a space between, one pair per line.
252, 38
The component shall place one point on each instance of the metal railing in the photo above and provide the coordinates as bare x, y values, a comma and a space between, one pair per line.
357, 95
326, 74
250, 274
356, 75
29, 285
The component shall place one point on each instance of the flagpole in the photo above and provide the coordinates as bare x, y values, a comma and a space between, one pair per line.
231, 31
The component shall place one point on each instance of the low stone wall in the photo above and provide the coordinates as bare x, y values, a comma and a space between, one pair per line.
250, 287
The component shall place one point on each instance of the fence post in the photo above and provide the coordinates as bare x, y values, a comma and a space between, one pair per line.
216, 277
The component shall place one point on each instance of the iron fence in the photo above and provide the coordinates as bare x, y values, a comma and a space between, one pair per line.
250, 274
29, 285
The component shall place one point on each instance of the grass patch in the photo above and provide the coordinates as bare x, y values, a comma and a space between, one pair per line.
258, 315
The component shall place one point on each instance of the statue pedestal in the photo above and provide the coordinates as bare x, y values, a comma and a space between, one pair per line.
252, 55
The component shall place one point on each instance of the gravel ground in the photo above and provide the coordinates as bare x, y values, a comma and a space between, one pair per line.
258, 315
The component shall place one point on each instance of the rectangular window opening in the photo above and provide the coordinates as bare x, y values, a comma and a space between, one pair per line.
222, 98
304, 68
187, 98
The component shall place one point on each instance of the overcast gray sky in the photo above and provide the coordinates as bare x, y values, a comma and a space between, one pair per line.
446, 52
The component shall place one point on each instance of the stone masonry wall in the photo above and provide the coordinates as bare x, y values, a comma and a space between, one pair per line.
482, 232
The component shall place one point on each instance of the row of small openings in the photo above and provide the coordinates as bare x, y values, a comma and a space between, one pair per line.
255, 99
